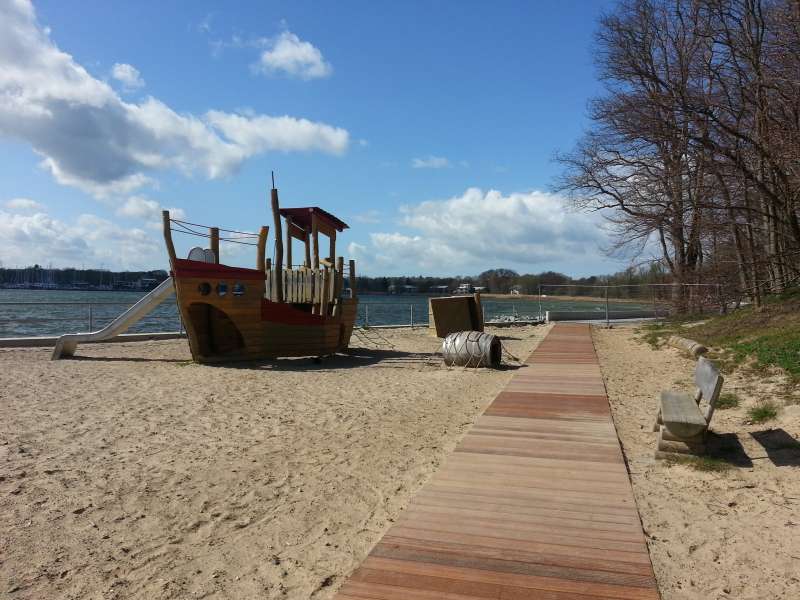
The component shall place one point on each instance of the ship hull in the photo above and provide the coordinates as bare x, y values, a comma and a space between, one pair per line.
227, 317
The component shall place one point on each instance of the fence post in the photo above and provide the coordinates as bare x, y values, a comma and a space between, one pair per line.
608, 323
655, 310
412, 315
540, 302
91, 319
366, 316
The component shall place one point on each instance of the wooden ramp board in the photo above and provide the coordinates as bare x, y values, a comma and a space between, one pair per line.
535, 502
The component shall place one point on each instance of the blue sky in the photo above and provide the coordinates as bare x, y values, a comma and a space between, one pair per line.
429, 127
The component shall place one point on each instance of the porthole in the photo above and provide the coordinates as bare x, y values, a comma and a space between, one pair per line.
222, 288
238, 289
204, 288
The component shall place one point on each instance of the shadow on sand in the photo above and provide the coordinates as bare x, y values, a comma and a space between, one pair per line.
782, 449
727, 447
124, 359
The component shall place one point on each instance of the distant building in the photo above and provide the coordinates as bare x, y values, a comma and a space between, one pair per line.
403, 289
465, 288
146, 283
438, 289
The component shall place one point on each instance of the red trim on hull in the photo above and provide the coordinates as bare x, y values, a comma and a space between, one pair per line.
195, 268
279, 312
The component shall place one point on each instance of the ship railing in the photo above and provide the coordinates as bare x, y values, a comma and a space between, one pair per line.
303, 285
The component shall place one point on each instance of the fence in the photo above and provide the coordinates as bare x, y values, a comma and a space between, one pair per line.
570, 302
635, 301
32, 319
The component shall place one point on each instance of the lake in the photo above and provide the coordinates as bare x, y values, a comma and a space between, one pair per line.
53, 312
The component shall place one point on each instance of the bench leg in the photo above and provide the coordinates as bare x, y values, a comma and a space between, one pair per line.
669, 444
659, 422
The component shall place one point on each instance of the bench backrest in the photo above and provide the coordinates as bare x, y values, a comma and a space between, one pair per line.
709, 384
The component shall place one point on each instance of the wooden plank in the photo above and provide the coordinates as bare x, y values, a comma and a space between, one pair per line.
535, 501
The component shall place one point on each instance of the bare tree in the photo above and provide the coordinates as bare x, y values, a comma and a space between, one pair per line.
695, 144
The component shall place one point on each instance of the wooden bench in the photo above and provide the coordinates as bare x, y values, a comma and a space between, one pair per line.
682, 422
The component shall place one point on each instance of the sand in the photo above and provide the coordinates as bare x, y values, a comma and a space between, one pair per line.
711, 535
133, 473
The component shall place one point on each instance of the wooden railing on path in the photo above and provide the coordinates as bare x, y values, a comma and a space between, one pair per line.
535, 502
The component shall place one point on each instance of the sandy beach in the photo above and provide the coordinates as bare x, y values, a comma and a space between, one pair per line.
711, 535
131, 472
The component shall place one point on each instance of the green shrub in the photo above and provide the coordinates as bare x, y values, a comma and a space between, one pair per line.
780, 348
763, 411
727, 400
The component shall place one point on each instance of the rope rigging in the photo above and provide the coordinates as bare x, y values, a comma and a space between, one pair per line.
185, 227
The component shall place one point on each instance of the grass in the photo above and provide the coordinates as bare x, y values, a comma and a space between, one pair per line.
763, 412
705, 464
727, 400
761, 338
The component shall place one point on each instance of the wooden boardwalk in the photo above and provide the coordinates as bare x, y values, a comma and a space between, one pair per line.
535, 502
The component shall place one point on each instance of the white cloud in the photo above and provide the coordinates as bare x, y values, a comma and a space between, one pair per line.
370, 216
529, 231
92, 139
289, 54
148, 210
23, 204
204, 26
432, 162
128, 76
88, 240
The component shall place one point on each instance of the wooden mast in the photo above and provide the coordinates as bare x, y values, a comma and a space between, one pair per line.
214, 236
289, 243
278, 280
262, 248
168, 237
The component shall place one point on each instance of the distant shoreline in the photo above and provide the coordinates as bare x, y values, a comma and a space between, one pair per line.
535, 297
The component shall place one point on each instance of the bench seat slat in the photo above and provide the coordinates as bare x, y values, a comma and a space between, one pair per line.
681, 415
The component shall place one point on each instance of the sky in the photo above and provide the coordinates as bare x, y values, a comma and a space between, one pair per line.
429, 127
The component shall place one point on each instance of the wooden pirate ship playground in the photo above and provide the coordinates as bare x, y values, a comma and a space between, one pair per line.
277, 309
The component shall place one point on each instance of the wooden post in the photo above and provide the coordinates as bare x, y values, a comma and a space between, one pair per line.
269, 279
262, 248
214, 231
278, 247
326, 282
308, 248
339, 278
541, 314
332, 246
353, 291
168, 237
288, 242
315, 240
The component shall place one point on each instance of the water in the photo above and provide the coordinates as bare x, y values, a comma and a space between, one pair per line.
384, 310
53, 312
70, 312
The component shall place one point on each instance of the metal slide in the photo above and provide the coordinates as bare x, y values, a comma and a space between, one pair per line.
66, 344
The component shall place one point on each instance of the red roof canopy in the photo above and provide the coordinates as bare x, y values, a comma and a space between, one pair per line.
302, 217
